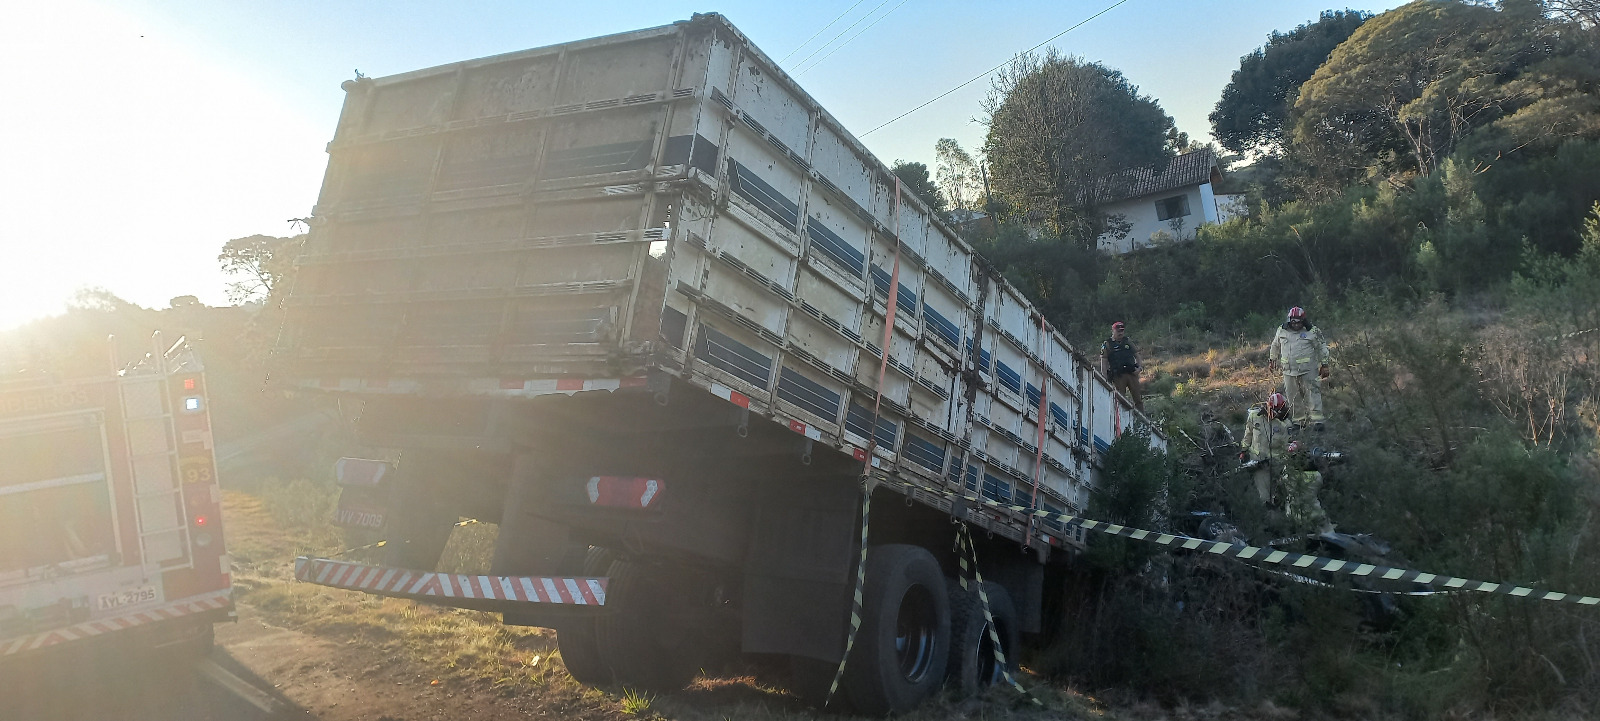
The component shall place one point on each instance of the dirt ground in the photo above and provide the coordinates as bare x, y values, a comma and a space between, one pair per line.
351, 681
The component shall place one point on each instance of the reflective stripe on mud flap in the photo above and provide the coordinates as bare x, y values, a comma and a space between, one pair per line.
430, 586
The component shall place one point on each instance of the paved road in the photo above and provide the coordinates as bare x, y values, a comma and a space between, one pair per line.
111, 683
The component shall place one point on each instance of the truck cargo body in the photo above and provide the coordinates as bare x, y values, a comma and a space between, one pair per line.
651, 256
110, 523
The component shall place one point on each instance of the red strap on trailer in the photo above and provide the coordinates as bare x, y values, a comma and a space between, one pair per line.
1038, 458
872, 444
888, 334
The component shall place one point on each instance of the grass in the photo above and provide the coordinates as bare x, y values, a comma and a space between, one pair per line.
635, 703
465, 648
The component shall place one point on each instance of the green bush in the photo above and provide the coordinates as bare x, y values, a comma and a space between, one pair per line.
300, 504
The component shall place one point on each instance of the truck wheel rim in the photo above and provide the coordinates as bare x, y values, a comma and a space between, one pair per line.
915, 631
988, 671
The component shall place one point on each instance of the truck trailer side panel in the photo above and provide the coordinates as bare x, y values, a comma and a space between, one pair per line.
669, 203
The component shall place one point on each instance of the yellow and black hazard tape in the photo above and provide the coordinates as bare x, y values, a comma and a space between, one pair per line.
969, 553
855, 604
1300, 561
385, 542
1308, 581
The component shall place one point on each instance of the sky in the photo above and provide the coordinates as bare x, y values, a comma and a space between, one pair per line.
141, 134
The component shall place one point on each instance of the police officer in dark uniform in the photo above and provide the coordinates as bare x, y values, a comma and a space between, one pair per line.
1120, 363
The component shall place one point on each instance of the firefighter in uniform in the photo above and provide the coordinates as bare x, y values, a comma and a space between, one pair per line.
1266, 440
1300, 350
1302, 483
1120, 362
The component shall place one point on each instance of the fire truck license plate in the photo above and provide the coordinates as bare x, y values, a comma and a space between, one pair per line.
129, 597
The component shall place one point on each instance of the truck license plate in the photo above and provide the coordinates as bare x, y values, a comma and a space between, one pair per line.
359, 518
128, 597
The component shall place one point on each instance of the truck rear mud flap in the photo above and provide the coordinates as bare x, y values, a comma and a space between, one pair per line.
481, 593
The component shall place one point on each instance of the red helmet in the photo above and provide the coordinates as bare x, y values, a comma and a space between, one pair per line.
1297, 313
1117, 325
1277, 405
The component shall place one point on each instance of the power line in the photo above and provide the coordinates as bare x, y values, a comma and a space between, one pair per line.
852, 39
986, 73
836, 18
841, 33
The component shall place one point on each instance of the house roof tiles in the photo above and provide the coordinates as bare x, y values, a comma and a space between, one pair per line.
1192, 168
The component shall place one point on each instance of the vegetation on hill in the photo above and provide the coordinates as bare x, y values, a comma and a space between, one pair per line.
1431, 193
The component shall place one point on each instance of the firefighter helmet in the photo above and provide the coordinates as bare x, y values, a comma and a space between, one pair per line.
1278, 406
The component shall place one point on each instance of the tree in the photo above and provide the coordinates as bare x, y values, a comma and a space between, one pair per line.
957, 174
1256, 101
1581, 12
1058, 127
259, 261
914, 177
1412, 84
99, 300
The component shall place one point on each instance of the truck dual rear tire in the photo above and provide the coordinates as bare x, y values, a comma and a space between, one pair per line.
973, 667
647, 641
903, 646
580, 650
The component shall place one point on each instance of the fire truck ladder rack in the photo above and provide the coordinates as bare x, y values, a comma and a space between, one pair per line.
161, 513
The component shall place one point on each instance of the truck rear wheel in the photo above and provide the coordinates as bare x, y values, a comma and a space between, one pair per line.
973, 667
580, 649
903, 646
646, 641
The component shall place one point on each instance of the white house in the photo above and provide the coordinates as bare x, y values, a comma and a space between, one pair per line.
1167, 201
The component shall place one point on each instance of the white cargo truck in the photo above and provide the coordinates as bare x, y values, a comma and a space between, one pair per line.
627, 297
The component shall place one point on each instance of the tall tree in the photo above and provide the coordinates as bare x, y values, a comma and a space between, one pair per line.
1412, 84
1256, 101
1581, 12
956, 174
258, 262
915, 178
1058, 126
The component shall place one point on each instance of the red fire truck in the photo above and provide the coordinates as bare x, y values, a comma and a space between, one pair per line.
110, 513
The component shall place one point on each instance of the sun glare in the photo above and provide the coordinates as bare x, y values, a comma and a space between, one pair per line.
132, 158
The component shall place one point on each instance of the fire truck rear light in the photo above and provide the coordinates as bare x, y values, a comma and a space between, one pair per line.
191, 404
624, 491
188, 384
201, 521
202, 539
